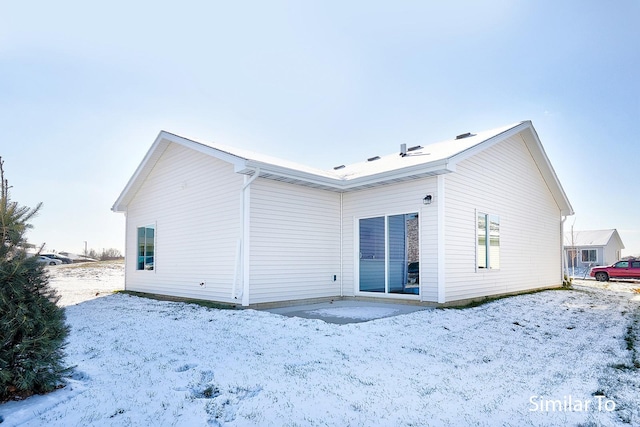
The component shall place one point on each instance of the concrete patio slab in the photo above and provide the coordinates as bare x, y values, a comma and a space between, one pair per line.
347, 311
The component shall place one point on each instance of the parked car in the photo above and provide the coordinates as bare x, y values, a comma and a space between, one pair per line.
628, 269
49, 261
64, 259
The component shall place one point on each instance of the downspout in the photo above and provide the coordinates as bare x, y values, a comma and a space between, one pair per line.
441, 239
341, 250
126, 245
242, 248
562, 252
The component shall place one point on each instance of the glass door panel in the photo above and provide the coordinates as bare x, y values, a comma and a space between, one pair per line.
372, 255
404, 266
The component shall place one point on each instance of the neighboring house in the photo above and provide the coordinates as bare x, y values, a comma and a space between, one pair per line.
588, 248
478, 215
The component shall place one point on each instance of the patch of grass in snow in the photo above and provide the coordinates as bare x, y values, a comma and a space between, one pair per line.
94, 264
200, 302
622, 378
631, 338
485, 300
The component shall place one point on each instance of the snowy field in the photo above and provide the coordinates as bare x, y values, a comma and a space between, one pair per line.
554, 358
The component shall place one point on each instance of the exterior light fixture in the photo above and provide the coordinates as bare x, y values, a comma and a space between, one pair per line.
427, 199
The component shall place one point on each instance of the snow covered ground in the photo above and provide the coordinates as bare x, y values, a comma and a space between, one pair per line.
77, 283
546, 359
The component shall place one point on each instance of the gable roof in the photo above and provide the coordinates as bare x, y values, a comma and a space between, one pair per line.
592, 238
432, 159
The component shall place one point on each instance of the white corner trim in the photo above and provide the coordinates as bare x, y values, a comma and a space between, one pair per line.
245, 233
440, 196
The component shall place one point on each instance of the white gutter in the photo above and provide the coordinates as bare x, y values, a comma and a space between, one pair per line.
335, 183
253, 178
242, 249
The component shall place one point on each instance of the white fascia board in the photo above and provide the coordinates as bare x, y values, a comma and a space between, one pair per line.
250, 166
434, 168
618, 238
236, 161
338, 184
533, 143
481, 146
155, 152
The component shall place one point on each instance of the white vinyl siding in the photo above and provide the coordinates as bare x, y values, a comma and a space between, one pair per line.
295, 242
298, 238
393, 199
501, 180
194, 201
610, 253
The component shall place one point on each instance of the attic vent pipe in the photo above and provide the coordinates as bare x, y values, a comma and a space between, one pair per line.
403, 150
338, 167
371, 159
464, 135
414, 148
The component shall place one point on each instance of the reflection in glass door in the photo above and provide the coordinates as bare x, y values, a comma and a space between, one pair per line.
372, 255
404, 266
389, 254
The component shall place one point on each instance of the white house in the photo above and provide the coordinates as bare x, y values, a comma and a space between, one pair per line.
588, 248
477, 215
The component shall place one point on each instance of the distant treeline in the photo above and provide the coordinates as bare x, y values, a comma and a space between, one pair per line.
105, 255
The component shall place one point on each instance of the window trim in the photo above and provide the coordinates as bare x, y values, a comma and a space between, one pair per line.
153, 225
588, 260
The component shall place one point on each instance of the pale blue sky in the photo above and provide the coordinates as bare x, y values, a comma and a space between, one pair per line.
85, 88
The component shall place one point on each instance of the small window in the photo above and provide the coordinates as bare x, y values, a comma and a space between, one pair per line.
488, 241
146, 247
589, 255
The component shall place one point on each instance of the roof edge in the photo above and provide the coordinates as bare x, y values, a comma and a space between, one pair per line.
326, 181
156, 150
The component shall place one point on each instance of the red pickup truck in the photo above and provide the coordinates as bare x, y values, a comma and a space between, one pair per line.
629, 269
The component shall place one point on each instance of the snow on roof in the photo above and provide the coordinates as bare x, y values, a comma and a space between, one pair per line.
267, 160
590, 237
430, 159
429, 153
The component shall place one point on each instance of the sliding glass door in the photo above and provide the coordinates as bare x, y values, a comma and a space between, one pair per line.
389, 254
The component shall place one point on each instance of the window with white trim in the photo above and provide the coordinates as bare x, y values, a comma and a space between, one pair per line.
589, 255
487, 241
146, 247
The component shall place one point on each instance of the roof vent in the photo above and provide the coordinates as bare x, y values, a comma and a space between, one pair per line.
403, 150
464, 135
414, 148
338, 167
371, 159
